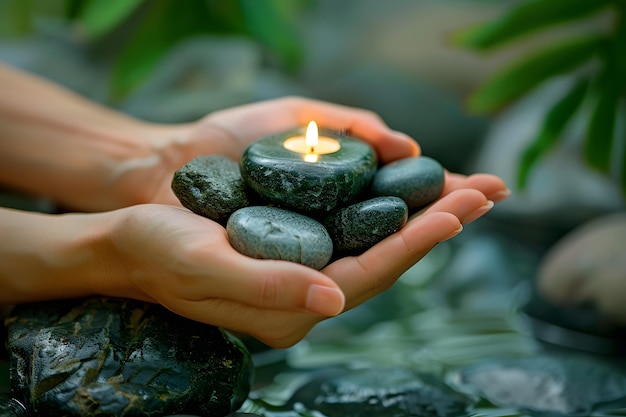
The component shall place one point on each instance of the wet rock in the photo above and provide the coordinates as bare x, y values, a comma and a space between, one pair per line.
418, 181
361, 225
230, 415
211, 186
10, 407
562, 386
275, 233
332, 181
113, 357
381, 392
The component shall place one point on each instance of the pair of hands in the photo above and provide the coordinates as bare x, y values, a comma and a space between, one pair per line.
186, 263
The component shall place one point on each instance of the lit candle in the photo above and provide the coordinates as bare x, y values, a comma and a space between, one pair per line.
311, 145
308, 171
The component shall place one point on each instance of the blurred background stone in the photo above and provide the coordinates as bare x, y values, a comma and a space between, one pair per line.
559, 386
587, 267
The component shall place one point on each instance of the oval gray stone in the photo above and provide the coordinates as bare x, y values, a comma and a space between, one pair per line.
418, 181
361, 225
274, 233
211, 186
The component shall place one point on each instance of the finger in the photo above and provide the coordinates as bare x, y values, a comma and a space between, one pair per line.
247, 123
390, 145
466, 204
269, 284
278, 329
361, 277
493, 187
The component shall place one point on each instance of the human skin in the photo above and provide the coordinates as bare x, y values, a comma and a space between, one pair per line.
124, 233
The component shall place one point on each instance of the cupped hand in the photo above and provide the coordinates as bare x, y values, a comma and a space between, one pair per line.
186, 263
245, 124
229, 132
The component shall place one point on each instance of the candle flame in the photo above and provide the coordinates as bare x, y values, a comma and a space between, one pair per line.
312, 136
311, 157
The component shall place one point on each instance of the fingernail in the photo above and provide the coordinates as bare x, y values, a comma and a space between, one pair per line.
478, 212
456, 232
415, 148
324, 301
500, 195
400, 134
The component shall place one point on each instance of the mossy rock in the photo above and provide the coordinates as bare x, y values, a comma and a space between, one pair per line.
211, 186
116, 357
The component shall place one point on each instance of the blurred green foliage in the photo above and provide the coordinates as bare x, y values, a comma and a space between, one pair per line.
601, 86
143, 31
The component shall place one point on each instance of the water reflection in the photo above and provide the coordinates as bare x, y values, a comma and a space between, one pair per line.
455, 315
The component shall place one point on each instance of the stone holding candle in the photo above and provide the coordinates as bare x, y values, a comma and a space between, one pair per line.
325, 174
315, 193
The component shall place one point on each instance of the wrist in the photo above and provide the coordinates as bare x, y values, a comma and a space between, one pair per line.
77, 153
46, 259
143, 173
58, 257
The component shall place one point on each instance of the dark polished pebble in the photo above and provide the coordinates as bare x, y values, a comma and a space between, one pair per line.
361, 225
283, 178
211, 186
418, 181
9, 407
275, 233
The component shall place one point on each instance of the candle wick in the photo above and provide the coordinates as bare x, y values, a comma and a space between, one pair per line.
312, 150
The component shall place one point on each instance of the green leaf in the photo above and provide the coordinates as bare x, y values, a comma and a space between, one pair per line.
620, 68
623, 167
21, 13
142, 52
73, 8
99, 17
527, 17
519, 78
165, 23
555, 121
599, 139
598, 144
273, 26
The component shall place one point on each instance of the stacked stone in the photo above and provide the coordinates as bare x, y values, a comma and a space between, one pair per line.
259, 226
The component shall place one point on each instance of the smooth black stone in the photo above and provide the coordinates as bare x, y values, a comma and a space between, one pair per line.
283, 178
361, 225
9, 407
381, 392
211, 186
274, 233
549, 385
114, 357
418, 181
